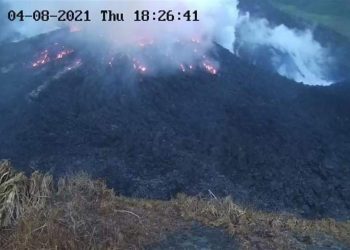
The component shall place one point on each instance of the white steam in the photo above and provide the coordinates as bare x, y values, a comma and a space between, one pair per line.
297, 55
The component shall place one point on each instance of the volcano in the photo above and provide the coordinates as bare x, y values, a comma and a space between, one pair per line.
219, 124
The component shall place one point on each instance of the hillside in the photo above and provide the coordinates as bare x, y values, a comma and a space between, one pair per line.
265, 140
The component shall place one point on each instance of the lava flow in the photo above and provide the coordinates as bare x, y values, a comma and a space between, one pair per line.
47, 56
42, 60
148, 57
210, 68
63, 53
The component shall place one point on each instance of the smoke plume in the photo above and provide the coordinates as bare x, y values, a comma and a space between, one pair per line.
292, 53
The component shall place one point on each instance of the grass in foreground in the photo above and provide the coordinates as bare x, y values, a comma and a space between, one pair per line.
79, 213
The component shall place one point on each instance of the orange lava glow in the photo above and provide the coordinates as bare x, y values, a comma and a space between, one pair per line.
63, 53
210, 68
46, 57
186, 68
42, 60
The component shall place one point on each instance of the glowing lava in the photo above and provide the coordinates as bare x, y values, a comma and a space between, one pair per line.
186, 67
138, 66
63, 53
148, 59
46, 56
182, 67
210, 68
42, 60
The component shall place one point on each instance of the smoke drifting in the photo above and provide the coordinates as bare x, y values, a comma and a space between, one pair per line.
292, 53
7, 30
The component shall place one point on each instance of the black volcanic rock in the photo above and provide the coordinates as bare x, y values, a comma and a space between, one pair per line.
259, 137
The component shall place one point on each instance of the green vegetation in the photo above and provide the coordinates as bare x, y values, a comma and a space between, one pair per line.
79, 213
334, 14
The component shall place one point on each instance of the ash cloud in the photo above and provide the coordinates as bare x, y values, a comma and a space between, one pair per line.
217, 20
292, 53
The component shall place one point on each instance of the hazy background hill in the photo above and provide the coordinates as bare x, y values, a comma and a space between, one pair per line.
331, 13
328, 21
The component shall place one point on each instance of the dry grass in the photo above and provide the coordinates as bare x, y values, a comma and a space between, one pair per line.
17, 191
79, 213
258, 230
